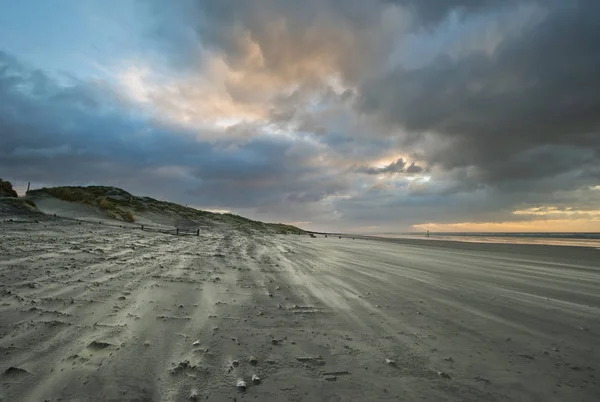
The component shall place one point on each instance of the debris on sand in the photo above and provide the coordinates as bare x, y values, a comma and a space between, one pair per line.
334, 378
253, 360
449, 359
170, 317
255, 379
235, 363
147, 343
14, 371
444, 375
194, 396
241, 385
196, 343
182, 366
390, 362
335, 373
525, 356
309, 358
482, 379
99, 345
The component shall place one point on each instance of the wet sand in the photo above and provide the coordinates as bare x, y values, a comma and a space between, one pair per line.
92, 313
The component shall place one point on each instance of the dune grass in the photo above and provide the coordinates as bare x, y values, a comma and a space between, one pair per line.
121, 205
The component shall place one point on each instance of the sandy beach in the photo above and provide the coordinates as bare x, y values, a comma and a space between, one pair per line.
91, 312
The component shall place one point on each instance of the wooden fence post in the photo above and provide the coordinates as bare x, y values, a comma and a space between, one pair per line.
142, 227
177, 233
198, 232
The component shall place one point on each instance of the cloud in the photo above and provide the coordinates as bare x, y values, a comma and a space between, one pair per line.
398, 166
299, 111
524, 112
50, 129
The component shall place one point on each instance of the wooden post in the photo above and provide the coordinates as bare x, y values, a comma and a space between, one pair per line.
177, 233
28, 185
198, 232
142, 227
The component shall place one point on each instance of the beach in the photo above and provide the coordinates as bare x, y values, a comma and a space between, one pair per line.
93, 312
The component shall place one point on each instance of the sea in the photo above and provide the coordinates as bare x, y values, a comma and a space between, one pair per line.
553, 238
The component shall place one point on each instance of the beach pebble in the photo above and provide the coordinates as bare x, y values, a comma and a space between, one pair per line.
390, 362
253, 360
196, 343
241, 385
444, 375
255, 379
194, 396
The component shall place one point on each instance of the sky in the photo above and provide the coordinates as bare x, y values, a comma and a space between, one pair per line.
379, 116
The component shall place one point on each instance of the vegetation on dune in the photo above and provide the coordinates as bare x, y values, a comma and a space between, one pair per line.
6, 189
122, 205
12, 204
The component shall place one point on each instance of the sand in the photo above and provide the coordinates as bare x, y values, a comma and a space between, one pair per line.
91, 312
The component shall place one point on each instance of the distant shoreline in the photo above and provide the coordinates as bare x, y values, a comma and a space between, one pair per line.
583, 239
547, 239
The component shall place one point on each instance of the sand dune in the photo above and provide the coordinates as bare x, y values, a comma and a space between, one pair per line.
92, 312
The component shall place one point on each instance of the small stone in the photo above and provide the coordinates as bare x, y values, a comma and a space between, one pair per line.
444, 375
253, 360
196, 343
241, 385
235, 363
390, 362
255, 379
181, 306
194, 396
449, 359
147, 343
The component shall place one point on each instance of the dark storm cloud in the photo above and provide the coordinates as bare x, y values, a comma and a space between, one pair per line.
77, 135
432, 11
529, 110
